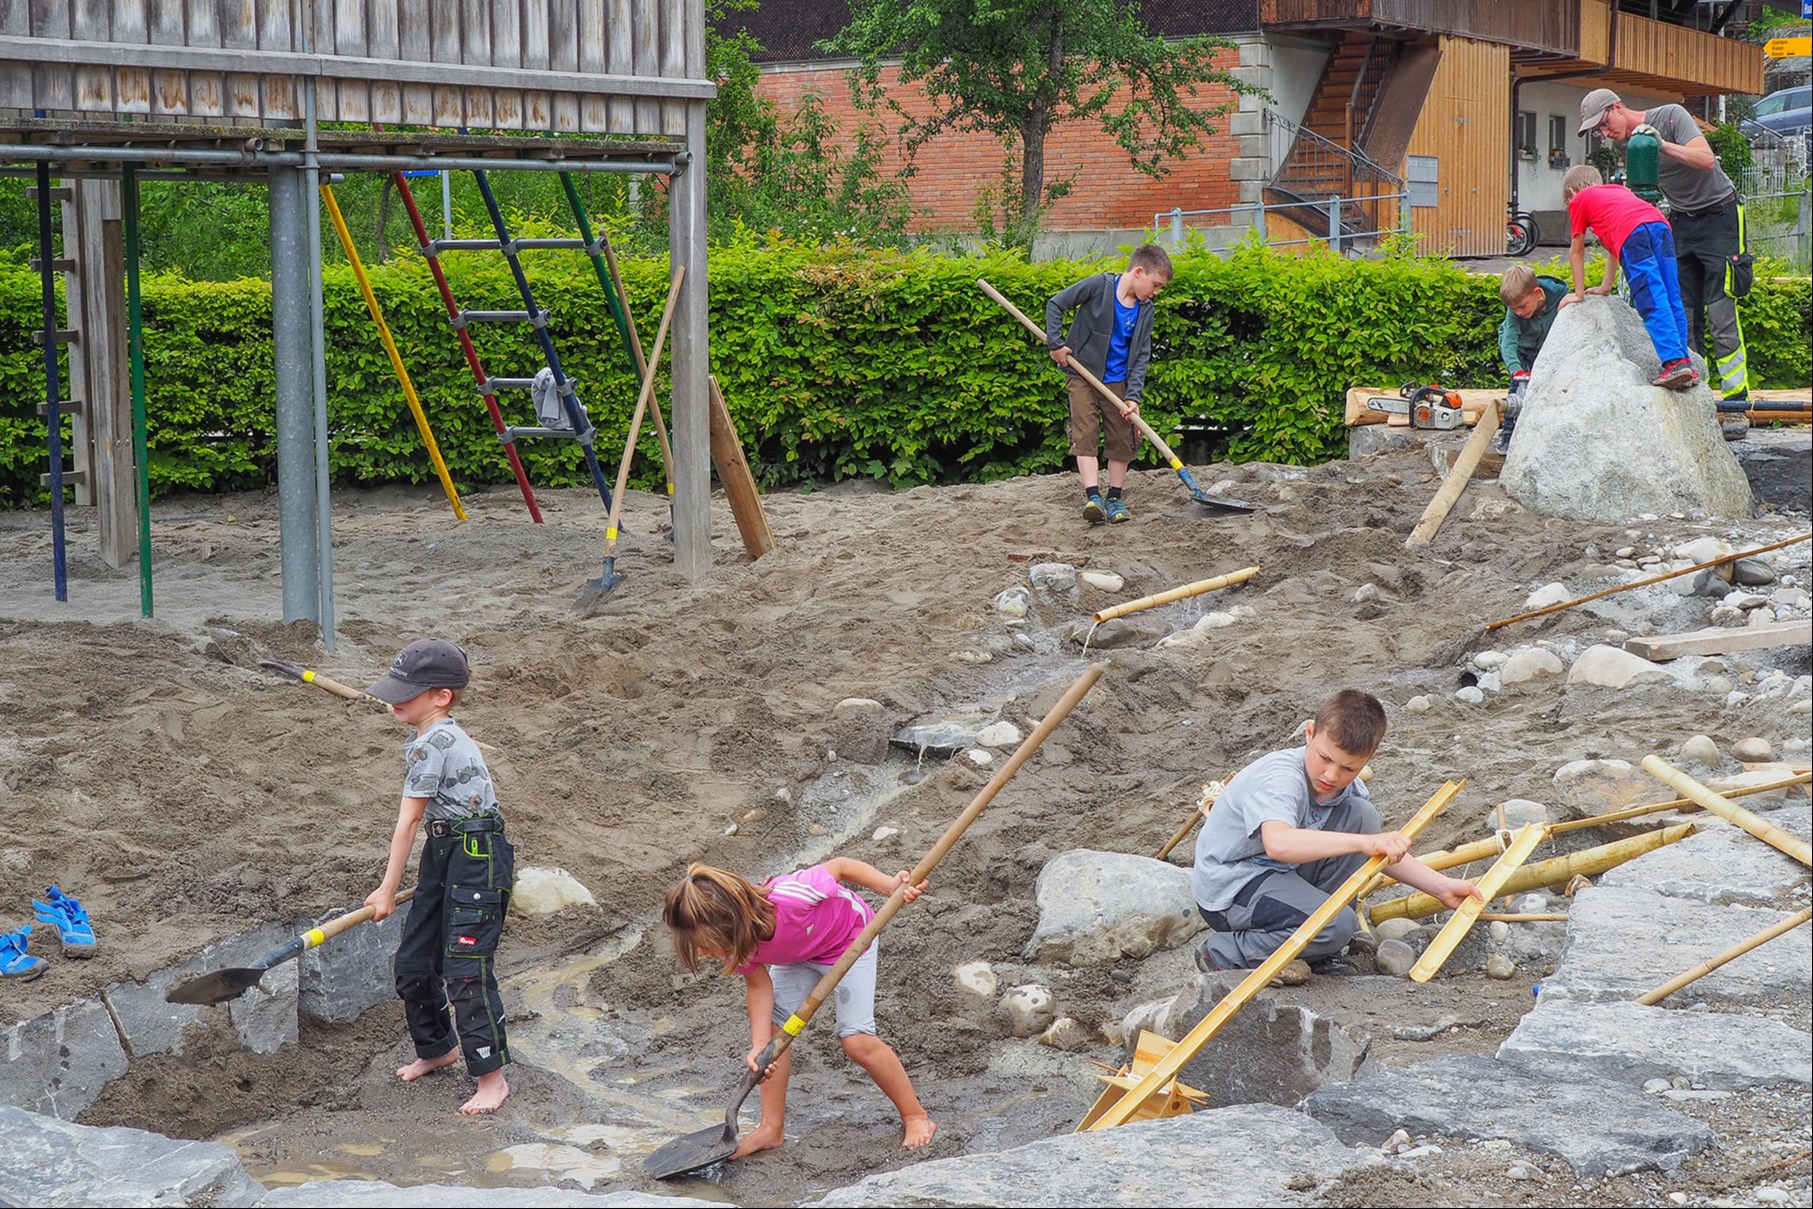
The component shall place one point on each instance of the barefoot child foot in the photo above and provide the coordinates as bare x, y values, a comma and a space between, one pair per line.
759, 1138
421, 1066
492, 1091
919, 1131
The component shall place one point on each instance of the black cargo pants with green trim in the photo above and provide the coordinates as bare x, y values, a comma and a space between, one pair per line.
1712, 256
449, 943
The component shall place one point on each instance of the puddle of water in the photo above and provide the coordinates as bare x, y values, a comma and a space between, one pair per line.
560, 1162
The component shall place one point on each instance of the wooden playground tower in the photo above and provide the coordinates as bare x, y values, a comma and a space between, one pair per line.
104, 93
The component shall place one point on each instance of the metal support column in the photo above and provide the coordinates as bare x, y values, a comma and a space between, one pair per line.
691, 361
293, 347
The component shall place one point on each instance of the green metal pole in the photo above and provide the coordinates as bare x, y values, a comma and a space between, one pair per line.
598, 267
135, 354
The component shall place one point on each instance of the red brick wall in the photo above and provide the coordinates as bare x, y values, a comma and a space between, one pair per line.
1109, 194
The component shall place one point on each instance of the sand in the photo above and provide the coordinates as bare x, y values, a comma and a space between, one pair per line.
151, 768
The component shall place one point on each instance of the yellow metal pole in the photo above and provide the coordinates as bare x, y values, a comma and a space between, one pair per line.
1465, 915
1167, 1067
390, 347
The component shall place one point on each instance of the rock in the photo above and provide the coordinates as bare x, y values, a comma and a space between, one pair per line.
885, 833
1145, 1017
942, 735
54, 1162
1597, 442
1396, 929
1366, 592
1529, 664
861, 729
999, 734
1599, 786
1656, 1087
1628, 1043
981, 757
1702, 550
1013, 602
1499, 930
1708, 584
1753, 750
1500, 967
1105, 581
1487, 661
1471, 694
977, 978
1752, 573
1548, 594
1418, 705
1216, 620
1029, 1010
1096, 907
1701, 748
1726, 615
1518, 811
1069, 1034
1609, 667
1395, 957
1295, 973
1053, 579
1120, 632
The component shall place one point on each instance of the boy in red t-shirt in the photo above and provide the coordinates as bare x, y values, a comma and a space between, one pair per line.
1637, 237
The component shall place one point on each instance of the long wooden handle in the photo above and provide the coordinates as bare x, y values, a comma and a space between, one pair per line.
647, 392
1182, 593
1459, 475
1138, 422
1167, 1067
341, 923
797, 1022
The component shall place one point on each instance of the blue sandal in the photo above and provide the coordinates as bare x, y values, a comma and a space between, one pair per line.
15, 962
70, 920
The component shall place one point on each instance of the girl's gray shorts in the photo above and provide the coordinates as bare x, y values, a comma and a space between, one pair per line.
855, 994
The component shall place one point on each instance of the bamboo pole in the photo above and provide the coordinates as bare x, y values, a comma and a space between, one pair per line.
1489, 886
1167, 1067
1653, 579
1728, 810
1735, 951
1188, 590
1551, 872
1459, 475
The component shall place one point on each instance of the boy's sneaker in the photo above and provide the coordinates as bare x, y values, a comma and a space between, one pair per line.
1117, 510
1676, 375
15, 962
1094, 510
1205, 960
70, 920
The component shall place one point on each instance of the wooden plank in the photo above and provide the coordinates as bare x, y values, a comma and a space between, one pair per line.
537, 103
621, 59
207, 89
381, 41
238, 31
563, 55
1467, 914
169, 86
1473, 402
739, 484
673, 64
53, 87
415, 44
1715, 640
594, 112
348, 39
277, 35
116, 484
1457, 480
645, 51
505, 40
94, 86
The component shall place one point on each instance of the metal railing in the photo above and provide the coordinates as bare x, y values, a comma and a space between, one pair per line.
1314, 169
1249, 221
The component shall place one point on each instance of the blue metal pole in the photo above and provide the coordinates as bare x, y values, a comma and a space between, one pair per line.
47, 268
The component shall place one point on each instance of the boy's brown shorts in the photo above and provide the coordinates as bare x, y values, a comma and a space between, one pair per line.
1091, 415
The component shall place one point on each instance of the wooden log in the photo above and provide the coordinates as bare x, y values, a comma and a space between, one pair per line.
1473, 401
1187, 1047
1457, 480
1653, 579
1728, 810
1553, 872
1718, 640
1491, 886
1706, 967
1186, 591
739, 484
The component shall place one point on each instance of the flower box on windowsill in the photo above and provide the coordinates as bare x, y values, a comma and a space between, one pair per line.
1526, 153
1558, 159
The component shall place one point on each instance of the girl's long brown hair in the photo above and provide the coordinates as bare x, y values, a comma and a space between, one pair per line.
720, 911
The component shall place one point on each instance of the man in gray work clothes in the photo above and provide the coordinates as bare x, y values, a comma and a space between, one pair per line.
1287, 831
1712, 253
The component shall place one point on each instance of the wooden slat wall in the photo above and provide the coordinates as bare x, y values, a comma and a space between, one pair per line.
640, 38
1473, 81
1708, 64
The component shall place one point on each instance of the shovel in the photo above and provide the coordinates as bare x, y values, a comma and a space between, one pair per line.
1218, 503
595, 589
223, 985
704, 1147
310, 676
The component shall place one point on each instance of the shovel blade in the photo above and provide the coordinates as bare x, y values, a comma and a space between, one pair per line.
595, 590
694, 1152
217, 987
1219, 503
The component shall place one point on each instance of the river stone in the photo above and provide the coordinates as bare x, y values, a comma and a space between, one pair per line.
977, 978
545, 891
1395, 929
1587, 787
1053, 579
1395, 957
1609, 667
1752, 572
1106, 581
1250, 1154
998, 734
1597, 442
48, 1161
1097, 907
1753, 750
1012, 602
1526, 665
1144, 1017
1702, 550
1028, 1010
944, 735
1069, 1034
1597, 1129
1702, 749
1548, 594
1118, 632
1469, 694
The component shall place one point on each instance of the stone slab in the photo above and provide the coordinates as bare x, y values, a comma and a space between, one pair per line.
151, 1026
351, 973
1096, 907
1715, 864
1269, 1051
1624, 941
1252, 1155
60, 1062
49, 1162
336, 1194
1630, 1044
1597, 1129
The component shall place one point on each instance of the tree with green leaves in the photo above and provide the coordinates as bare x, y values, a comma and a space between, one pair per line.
1018, 69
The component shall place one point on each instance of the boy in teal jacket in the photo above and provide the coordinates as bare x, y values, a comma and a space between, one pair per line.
1531, 303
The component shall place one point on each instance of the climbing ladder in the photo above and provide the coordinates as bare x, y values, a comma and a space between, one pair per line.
579, 427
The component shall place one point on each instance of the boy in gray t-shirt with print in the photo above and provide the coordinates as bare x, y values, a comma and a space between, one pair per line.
1288, 830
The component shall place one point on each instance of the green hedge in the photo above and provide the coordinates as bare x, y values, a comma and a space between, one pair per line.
836, 362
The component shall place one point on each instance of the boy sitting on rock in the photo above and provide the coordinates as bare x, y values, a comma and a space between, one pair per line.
1287, 831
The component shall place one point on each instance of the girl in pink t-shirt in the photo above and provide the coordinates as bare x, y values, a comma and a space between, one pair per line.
782, 936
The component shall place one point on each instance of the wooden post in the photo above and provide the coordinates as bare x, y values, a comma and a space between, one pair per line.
1728, 810
95, 292
1167, 1067
1735, 951
739, 483
1462, 473
1458, 925
1183, 593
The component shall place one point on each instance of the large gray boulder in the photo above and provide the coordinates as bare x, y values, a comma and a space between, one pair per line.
49, 1162
1096, 907
1597, 442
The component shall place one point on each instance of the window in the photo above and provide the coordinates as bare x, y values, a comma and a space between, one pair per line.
1558, 136
1524, 134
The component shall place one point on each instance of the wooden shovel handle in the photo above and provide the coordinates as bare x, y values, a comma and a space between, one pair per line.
341, 923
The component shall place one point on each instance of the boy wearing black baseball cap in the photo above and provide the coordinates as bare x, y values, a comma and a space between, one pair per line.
467, 868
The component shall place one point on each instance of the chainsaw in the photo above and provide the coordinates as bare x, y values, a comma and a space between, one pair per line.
1428, 406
